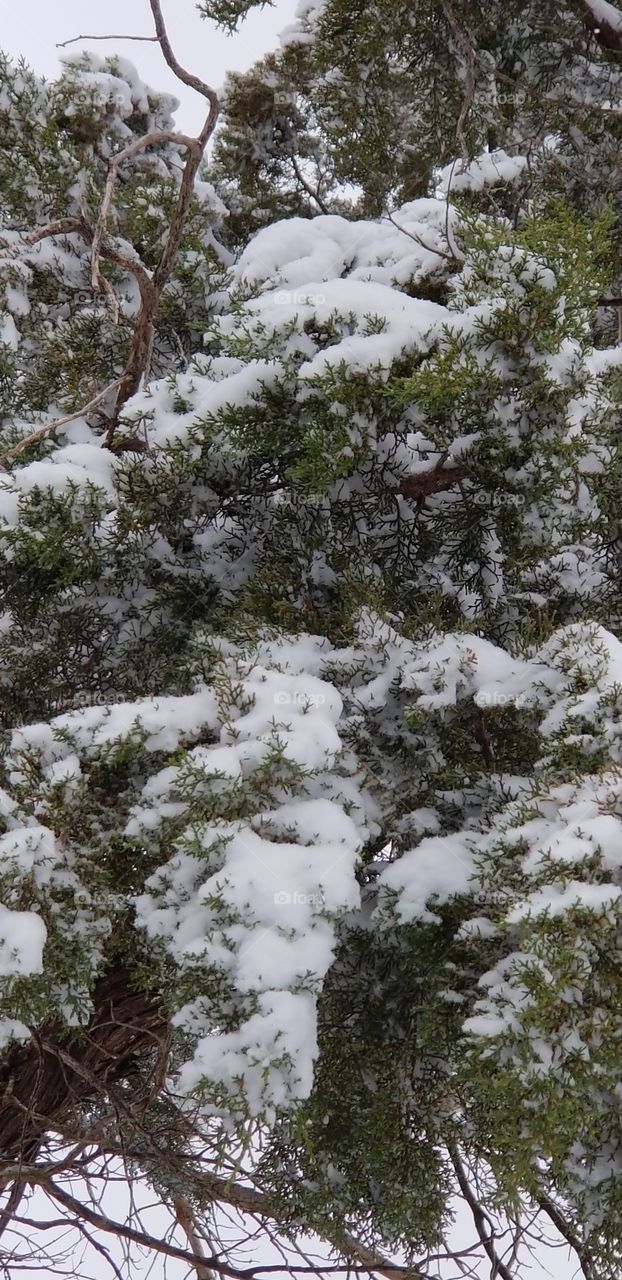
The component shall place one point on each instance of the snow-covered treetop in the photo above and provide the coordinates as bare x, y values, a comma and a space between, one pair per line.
310, 656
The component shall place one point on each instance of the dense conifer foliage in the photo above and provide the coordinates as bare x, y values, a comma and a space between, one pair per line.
311, 634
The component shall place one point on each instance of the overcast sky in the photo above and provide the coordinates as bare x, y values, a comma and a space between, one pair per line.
31, 28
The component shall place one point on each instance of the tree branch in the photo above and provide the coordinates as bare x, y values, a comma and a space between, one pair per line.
467, 50
80, 227
139, 357
42, 432
141, 345
186, 1221
139, 144
112, 1227
186, 77
62, 44
549, 1207
425, 483
604, 21
482, 1224
306, 186
123, 1232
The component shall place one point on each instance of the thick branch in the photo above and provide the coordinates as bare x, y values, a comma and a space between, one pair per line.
482, 1224
425, 483
41, 1082
605, 23
80, 226
559, 1222
186, 77
186, 1221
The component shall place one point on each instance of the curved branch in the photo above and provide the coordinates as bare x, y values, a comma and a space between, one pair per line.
42, 432
186, 77
466, 47
139, 144
80, 227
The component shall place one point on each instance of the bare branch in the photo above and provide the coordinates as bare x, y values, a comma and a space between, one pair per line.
62, 44
306, 186
563, 1226
139, 144
80, 226
452, 256
186, 1221
50, 427
376, 1263
62, 226
139, 356
467, 50
186, 77
482, 1222
123, 1232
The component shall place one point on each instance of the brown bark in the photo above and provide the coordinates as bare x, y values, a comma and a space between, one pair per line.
436, 480
43, 1081
608, 33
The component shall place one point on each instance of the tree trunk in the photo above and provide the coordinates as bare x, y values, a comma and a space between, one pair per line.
44, 1081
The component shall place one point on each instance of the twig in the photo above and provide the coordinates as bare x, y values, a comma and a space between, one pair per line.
412, 235
62, 44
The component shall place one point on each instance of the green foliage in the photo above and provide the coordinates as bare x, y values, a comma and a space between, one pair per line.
311, 684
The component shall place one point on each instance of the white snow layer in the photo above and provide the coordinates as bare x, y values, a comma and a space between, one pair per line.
408, 248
